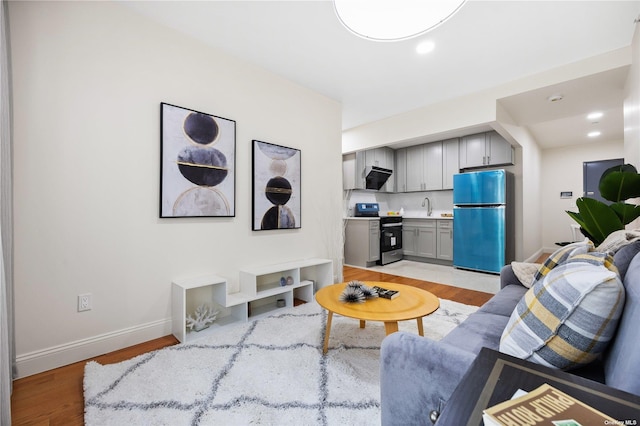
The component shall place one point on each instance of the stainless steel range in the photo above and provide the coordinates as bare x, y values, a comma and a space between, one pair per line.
390, 239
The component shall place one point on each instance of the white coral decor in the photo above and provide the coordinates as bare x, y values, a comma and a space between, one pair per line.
204, 316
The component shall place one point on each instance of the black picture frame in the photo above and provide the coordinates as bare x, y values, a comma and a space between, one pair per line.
197, 163
276, 187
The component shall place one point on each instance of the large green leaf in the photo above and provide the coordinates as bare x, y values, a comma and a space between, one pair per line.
577, 217
626, 212
620, 183
597, 219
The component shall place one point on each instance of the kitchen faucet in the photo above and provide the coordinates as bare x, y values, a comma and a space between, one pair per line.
428, 201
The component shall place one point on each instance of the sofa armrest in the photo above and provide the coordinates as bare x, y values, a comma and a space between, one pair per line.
507, 277
417, 376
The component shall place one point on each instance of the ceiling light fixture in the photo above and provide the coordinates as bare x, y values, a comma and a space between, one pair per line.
555, 98
594, 115
594, 134
425, 47
394, 20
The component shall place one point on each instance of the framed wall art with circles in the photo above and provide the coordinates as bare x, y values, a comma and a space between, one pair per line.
276, 187
197, 173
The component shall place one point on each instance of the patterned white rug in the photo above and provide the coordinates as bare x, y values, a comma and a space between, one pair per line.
269, 371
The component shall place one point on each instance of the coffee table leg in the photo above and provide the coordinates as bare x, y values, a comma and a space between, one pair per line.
390, 327
420, 327
326, 333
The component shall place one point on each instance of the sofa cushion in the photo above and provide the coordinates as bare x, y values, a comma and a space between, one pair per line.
567, 319
623, 257
479, 330
561, 255
505, 301
622, 361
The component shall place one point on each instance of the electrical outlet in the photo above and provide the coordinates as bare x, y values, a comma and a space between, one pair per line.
84, 302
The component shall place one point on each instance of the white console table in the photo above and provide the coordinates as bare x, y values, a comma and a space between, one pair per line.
260, 290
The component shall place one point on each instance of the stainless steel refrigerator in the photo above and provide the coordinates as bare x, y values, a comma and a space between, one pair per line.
483, 231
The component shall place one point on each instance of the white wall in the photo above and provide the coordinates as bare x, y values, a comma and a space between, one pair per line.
632, 113
88, 79
563, 172
632, 105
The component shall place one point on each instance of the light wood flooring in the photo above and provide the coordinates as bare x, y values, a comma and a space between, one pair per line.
55, 397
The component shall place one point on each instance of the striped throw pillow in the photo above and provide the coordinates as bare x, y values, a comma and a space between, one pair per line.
567, 319
561, 255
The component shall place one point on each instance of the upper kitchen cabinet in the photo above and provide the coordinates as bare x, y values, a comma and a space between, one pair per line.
485, 149
400, 171
355, 166
427, 167
424, 167
353, 171
450, 161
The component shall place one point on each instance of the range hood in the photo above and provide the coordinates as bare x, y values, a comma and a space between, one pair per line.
376, 176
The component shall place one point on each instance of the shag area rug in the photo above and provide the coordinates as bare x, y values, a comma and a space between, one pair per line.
270, 371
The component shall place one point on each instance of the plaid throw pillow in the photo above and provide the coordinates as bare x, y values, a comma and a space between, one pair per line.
561, 255
567, 319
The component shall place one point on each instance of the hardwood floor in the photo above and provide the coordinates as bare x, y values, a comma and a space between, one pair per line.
55, 397
457, 294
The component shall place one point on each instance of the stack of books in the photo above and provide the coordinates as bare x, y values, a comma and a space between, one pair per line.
386, 293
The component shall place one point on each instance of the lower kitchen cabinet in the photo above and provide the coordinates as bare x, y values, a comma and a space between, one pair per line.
419, 238
445, 240
362, 242
427, 239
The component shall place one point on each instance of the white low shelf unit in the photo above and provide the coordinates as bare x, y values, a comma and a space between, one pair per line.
260, 290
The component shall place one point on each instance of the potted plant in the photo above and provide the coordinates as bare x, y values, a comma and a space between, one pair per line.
596, 219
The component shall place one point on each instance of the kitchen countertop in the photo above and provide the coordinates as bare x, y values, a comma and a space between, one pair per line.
421, 215
432, 217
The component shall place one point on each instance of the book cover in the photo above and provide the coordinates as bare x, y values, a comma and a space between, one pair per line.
545, 405
386, 293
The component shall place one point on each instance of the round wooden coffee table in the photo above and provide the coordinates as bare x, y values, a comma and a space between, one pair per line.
411, 303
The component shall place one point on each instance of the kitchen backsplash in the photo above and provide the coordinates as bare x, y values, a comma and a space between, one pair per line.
441, 201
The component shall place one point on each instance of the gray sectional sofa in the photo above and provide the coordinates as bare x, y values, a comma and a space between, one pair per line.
418, 374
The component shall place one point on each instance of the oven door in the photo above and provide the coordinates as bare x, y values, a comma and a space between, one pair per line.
390, 237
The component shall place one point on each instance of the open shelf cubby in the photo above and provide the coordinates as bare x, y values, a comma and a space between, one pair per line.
260, 290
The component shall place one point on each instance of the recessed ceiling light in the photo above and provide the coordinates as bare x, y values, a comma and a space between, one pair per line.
425, 47
594, 134
555, 98
594, 115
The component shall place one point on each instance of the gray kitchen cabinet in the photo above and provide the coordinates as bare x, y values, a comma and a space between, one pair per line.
500, 151
354, 165
445, 240
427, 241
419, 238
485, 149
409, 237
374, 240
380, 157
424, 167
400, 171
362, 242
450, 162
415, 166
353, 170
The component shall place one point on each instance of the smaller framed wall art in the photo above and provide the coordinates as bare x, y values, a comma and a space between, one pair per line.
276, 187
197, 164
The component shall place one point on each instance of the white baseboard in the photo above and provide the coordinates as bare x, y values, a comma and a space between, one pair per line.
535, 256
80, 350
